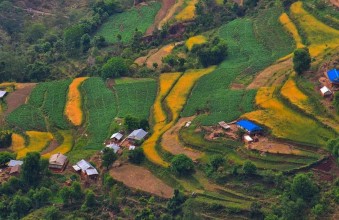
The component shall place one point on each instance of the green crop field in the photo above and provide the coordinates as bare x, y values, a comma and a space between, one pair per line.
46, 104
127, 22
136, 97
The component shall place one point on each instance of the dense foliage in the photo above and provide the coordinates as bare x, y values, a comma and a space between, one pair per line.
182, 165
301, 60
5, 138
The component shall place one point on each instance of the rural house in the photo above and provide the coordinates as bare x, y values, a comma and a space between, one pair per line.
15, 170
325, 91
224, 125
86, 168
113, 146
116, 136
249, 127
333, 76
58, 161
137, 134
2, 94
13, 163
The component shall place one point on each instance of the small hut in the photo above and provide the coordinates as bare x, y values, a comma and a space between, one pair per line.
325, 91
58, 161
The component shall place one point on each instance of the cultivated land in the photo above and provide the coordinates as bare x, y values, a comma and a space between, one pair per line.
256, 81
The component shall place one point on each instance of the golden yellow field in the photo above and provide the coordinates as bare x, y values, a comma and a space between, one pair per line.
319, 35
18, 142
284, 122
65, 147
73, 109
175, 101
37, 142
188, 13
199, 39
291, 92
292, 29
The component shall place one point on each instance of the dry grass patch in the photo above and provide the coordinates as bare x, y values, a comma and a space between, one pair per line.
18, 142
73, 109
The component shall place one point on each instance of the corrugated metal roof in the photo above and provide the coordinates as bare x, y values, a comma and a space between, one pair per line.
113, 146
84, 165
324, 90
91, 171
333, 75
2, 93
248, 125
58, 159
138, 134
118, 136
13, 163
76, 168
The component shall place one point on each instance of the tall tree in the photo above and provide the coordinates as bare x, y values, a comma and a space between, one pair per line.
301, 60
108, 157
5, 138
30, 170
182, 165
114, 67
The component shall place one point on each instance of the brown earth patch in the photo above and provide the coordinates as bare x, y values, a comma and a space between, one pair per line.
52, 145
170, 13
237, 86
171, 143
269, 146
335, 3
164, 10
142, 179
160, 54
19, 96
142, 60
271, 74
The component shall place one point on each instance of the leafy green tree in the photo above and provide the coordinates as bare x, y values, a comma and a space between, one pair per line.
114, 67
99, 41
108, 157
174, 205
144, 124
30, 169
20, 205
216, 161
249, 168
40, 196
72, 39
255, 211
301, 60
293, 209
90, 201
85, 43
211, 53
333, 146
65, 194
182, 165
303, 187
52, 213
131, 123
5, 157
39, 71
5, 138
76, 193
35, 32
136, 156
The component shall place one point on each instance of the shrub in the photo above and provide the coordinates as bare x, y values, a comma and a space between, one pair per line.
301, 60
182, 165
136, 156
5, 138
249, 168
114, 67
336, 102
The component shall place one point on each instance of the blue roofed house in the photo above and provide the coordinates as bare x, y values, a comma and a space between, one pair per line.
249, 126
333, 76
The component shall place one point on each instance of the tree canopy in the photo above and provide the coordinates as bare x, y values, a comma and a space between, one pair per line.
182, 165
114, 67
301, 60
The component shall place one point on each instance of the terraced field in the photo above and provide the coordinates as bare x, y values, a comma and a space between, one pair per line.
188, 13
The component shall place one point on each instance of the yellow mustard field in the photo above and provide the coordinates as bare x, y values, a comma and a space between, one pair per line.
291, 91
284, 122
37, 142
199, 39
65, 147
18, 142
291, 28
73, 109
188, 13
319, 35
178, 89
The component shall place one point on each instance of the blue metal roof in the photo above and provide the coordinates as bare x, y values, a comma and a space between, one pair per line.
333, 75
248, 125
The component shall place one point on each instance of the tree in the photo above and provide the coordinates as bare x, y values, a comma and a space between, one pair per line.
89, 200
108, 157
76, 193
30, 169
65, 194
131, 123
333, 146
249, 168
40, 196
20, 205
35, 32
216, 161
301, 60
99, 41
174, 205
136, 156
5, 157
144, 124
5, 138
114, 67
52, 213
39, 71
182, 165
85, 43
72, 38
303, 187
211, 53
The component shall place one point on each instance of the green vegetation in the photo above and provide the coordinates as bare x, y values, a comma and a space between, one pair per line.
301, 60
182, 165
114, 67
125, 24
5, 138
136, 156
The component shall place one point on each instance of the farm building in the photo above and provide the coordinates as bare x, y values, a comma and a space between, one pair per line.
137, 134
248, 139
13, 163
325, 91
2, 94
86, 168
132, 147
224, 125
15, 170
58, 161
116, 136
333, 76
249, 126
113, 146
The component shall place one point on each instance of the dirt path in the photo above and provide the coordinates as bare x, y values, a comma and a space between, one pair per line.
271, 75
335, 3
19, 96
170, 13
171, 143
165, 8
142, 179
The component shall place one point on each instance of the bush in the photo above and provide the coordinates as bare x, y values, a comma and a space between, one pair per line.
216, 161
211, 53
114, 67
136, 156
249, 168
182, 165
5, 157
